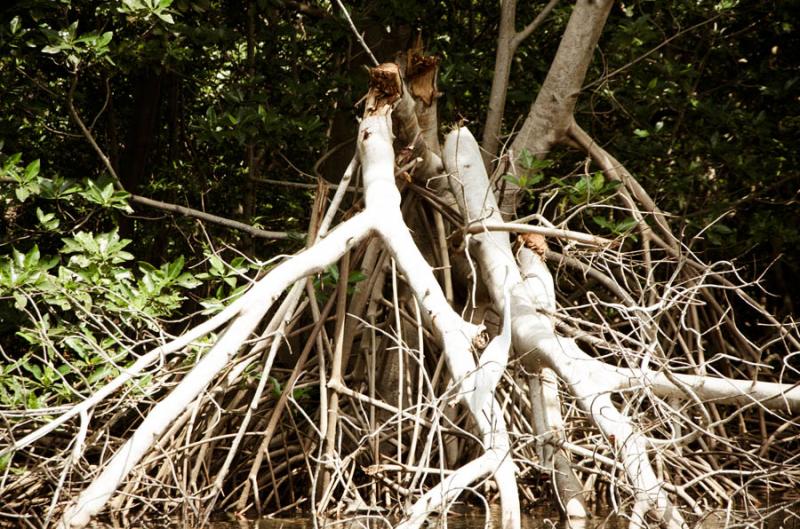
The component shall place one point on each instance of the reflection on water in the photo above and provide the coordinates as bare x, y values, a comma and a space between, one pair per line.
539, 518
783, 516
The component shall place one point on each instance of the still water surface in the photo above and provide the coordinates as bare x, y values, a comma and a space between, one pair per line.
539, 518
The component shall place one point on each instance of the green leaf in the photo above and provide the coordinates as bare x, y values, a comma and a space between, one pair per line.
356, 276
276, 387
626, 224
216, 263
526, 159
333, 271
602, 222
166, 17
174, 268
31, 171
47, 220
535, 178
104, 39
597, 181
19, 300
32, 257
22, 193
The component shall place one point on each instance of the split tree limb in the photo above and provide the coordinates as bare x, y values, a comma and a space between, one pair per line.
551, 113
508, 40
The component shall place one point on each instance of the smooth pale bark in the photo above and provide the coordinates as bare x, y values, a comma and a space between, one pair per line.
470, 185
719, 390
383, 216
456, 335
515, 227
548, 428
535, 338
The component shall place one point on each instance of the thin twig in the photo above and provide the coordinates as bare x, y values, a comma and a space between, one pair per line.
357, 34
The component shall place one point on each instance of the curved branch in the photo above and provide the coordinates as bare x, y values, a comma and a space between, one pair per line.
722, 390
88, 134
214, 219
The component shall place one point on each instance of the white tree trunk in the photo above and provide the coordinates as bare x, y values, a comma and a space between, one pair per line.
383, 215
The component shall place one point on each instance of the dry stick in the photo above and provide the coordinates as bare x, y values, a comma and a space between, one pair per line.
278, 409
88, 134
209, 441
374, 492
290, 303
338, 196
336, 378
591, 271
400, 364
420, 375
435, 430
318, 491
215, 219
324, 352
480, 226
444, 255
302, 185
357, 34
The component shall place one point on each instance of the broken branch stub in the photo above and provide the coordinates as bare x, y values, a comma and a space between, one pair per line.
385, 87
421, 74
